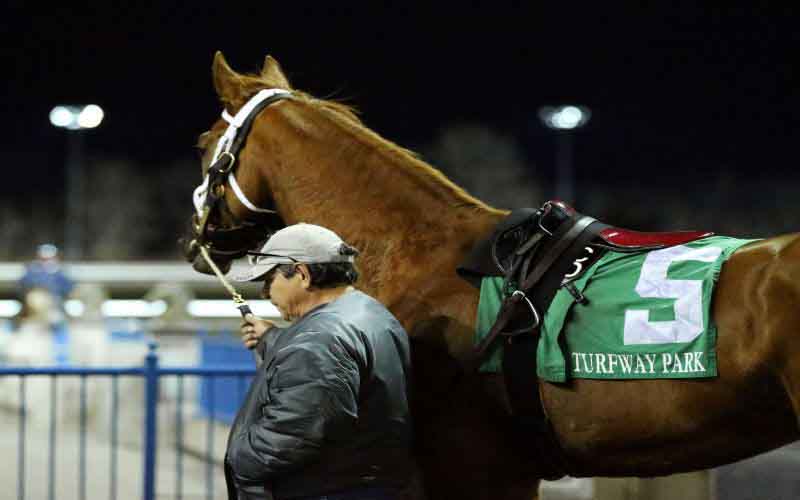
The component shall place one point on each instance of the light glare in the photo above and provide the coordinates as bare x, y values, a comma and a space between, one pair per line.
61, 116
133, 308
124, 308
76, 117
10, 308
564, 117
74, 307
90, 116
224, 308
569, 117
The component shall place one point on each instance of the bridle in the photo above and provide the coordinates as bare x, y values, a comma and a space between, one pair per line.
226, 242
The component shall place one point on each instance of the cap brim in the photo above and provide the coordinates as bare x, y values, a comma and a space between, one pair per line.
254, 273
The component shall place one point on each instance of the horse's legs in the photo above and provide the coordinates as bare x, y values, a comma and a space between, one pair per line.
793, 388
782, 320
790, 372
462, 443
461, 461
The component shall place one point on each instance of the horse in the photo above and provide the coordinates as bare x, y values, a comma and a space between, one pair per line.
313, 160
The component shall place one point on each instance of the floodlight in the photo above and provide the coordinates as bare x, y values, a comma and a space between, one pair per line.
566, 117
90, 116
76, 117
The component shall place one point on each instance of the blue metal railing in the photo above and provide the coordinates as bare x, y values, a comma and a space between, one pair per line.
222, 347
151, 372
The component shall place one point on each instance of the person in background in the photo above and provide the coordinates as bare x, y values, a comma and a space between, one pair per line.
45, 272
43, 289
327, 414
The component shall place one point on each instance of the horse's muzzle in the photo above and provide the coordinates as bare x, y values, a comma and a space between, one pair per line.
201, 265
191, 252
188, 247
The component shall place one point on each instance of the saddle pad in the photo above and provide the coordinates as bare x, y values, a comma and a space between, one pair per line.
647, 315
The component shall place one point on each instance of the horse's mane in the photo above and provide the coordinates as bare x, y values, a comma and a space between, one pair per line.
346, 117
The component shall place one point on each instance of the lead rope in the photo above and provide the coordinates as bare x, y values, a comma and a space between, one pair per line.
241, 304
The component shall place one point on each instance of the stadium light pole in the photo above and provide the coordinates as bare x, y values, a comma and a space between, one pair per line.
76, 120
564, 120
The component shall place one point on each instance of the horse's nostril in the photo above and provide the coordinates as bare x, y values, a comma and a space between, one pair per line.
189, 248
200, 265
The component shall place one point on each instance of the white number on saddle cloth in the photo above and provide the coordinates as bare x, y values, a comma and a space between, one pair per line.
688, 295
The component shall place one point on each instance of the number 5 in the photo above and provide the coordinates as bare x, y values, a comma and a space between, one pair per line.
688, 295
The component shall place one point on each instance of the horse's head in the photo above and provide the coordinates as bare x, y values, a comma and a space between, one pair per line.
234, 209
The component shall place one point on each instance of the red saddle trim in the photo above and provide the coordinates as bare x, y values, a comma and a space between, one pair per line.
635, 239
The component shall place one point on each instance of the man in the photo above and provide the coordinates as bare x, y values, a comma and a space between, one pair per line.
327, 413
45, 272
43, 288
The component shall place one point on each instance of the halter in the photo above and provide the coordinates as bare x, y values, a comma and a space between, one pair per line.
209, 194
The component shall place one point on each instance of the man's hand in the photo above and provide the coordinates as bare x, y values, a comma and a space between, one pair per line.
252, 329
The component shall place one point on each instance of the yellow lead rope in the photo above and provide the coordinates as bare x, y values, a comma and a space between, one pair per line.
241, 304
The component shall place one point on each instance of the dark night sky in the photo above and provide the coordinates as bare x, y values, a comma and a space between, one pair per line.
674, 90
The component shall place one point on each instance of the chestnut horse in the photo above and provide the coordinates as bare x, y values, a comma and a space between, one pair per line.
313, 160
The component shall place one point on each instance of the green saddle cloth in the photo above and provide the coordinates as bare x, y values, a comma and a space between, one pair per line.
647, 315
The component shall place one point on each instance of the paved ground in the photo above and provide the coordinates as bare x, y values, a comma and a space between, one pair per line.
769, 476
195, 483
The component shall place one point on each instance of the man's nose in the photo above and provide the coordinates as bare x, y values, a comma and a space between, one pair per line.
265, 293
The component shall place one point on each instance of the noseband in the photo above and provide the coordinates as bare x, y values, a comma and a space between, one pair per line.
208, 196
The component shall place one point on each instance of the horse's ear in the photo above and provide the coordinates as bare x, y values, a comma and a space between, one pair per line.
227, 82
272, 73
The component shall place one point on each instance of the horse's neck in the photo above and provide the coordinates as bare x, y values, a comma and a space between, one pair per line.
376, 195
328, 169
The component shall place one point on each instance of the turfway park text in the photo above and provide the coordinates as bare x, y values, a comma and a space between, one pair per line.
644, 364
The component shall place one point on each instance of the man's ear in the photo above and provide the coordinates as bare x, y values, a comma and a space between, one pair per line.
305, 275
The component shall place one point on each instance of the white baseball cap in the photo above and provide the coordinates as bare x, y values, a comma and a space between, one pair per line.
300, 243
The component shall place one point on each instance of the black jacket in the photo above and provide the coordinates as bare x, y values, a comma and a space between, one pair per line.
328, 408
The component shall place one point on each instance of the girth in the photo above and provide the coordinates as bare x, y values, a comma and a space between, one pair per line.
534, 254
530, 422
